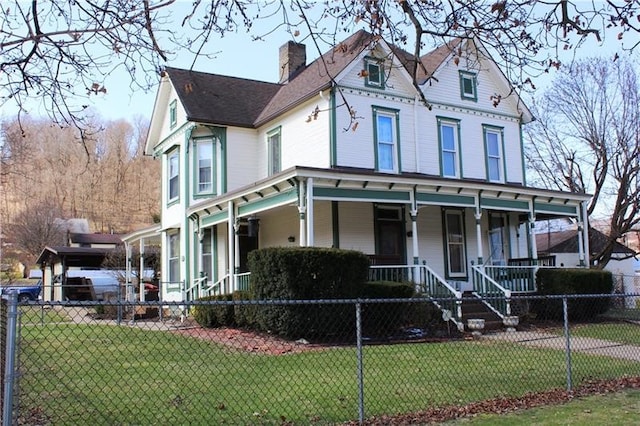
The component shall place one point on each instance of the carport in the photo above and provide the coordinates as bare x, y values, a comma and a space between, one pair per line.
57, 261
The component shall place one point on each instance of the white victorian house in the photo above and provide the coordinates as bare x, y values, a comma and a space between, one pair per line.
425, 175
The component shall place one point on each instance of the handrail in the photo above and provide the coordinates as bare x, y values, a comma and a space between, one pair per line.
216, 287
498, 297
517, 278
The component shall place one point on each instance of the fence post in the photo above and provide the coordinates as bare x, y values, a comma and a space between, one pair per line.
10, 358
567, 338
359, 359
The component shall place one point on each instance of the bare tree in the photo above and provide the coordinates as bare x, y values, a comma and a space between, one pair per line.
587, 139
35, 228
62, 51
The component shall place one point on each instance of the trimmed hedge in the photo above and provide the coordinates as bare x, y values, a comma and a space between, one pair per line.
572, 281
212, 316
307, 273
381, 318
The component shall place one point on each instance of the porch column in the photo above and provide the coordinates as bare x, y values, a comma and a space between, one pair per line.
414, 236
302, 211
478, 216
532, 233
141, 280
309, 216
585, 258
231, 243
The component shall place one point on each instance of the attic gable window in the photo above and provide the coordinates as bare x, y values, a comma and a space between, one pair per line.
374, 73
468, 86
173, 114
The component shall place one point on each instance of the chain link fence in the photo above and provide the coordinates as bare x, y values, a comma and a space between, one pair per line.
298, 362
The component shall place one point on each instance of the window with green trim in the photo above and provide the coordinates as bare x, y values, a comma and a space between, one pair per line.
173, 113
274, 151
374, 76
493, 152
468, 86
207, 253
173, 175
455, 244
174, 257
449, 138
386, 140
205, 176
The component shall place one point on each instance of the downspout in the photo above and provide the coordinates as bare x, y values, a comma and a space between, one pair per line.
532, 230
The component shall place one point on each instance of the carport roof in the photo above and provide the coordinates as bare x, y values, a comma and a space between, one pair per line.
73, 256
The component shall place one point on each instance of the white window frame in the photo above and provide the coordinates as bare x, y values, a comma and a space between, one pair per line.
378, 65
173, 257
467, 76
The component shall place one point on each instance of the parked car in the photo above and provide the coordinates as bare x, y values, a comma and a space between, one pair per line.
25, 292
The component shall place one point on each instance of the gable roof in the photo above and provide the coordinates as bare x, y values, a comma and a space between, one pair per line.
216, 99
567, 242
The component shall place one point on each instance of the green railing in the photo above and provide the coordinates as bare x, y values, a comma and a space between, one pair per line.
517, 279
492, 294
242, 281
428, 283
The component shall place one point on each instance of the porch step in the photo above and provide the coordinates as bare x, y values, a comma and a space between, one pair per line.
473, 308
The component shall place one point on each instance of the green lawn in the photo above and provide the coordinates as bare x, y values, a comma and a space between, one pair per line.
122, 375
617, 332
619, 408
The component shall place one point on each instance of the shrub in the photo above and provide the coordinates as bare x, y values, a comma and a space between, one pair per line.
214, 315
306, 273
244, 315
384, 317
569, 281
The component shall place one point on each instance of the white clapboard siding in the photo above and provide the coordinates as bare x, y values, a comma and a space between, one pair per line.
356, 227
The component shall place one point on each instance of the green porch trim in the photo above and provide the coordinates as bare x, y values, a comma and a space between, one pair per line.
504, 204
540, 207
335, 224
361, 194
289, 196
437, 199
215, 218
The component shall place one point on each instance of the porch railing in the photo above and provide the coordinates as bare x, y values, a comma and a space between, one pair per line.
518, 279
428, 283
222, 286
195, 291
492, 294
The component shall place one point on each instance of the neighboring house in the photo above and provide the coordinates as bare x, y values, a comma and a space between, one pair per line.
563, 247
348, 151
109, 241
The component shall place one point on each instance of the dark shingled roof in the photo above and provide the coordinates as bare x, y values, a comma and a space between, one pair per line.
95, 238
567, 242
217, 99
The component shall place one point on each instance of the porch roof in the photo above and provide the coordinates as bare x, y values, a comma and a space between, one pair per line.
367, 185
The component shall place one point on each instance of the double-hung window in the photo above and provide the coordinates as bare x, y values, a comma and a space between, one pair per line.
274, 151
205, 153
449, 137
173, 183
468, 86
173, 114
455, 244
493, 152
174, 257
386, 139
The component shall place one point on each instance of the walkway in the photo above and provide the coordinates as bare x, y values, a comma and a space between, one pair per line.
579, 344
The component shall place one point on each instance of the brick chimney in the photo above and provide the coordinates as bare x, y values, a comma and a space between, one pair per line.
293, 58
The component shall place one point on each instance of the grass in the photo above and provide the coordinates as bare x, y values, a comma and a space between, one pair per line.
123, 375
622, 333
619, 408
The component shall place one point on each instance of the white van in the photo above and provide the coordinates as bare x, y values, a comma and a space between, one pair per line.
105, 283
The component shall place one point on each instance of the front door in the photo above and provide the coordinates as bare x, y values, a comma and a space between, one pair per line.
390, 235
